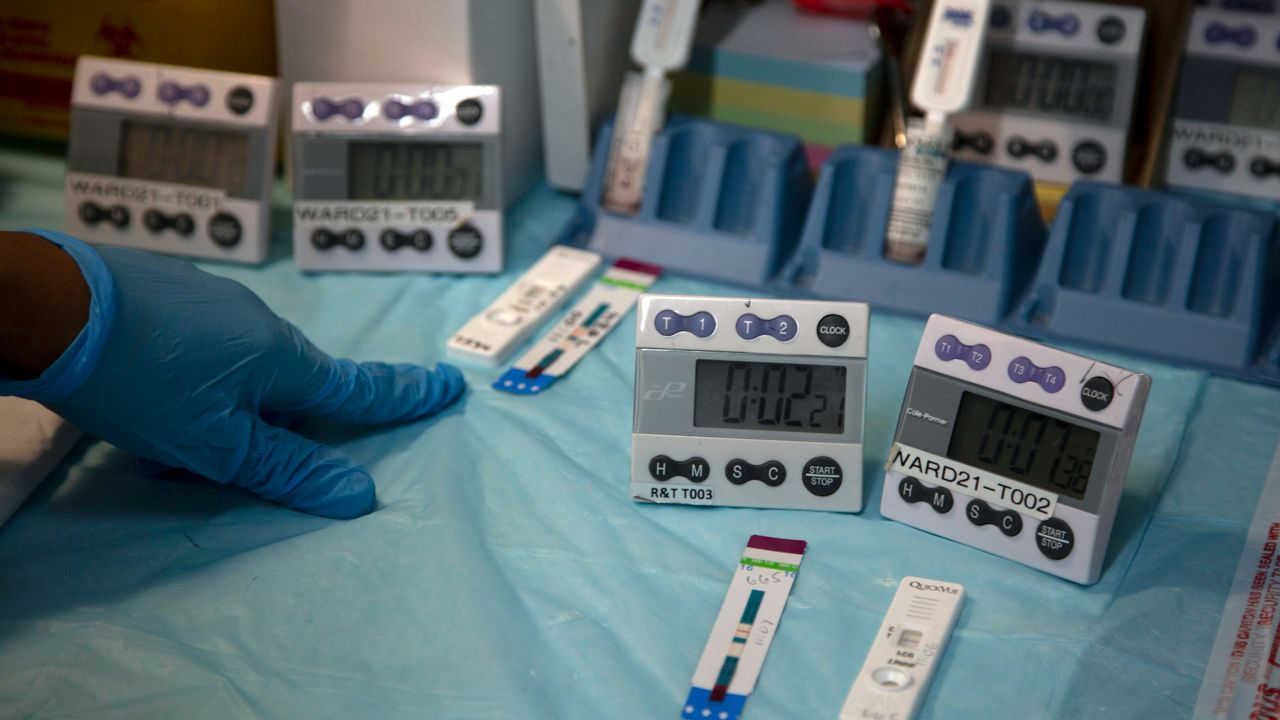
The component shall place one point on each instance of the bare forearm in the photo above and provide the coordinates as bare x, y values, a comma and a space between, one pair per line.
44, 303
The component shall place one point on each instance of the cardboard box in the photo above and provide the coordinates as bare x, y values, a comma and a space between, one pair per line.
40, 41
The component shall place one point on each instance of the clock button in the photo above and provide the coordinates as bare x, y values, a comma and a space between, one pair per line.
1097, 393
1111, 30
912, 490
1054, 538
833, 330
822, 476
470, 111
240, 100
980, 513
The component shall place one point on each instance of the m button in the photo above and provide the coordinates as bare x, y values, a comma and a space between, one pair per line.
833, 330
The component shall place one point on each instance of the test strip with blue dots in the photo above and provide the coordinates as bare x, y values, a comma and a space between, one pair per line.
744, 629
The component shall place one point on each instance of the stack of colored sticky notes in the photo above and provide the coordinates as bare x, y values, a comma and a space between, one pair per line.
777, 67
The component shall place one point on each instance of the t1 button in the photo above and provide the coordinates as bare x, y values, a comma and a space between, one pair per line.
822, 476
833, 330
1055, 539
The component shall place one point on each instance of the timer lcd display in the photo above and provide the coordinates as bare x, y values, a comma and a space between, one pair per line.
415, 171
1255, 100
769, 396
1052, 85
1023, 445
184, 155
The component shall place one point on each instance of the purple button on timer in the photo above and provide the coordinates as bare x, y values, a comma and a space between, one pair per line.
171, 93
669, 322
751, 326
1050, 379
948, 347
350, 108
425, 110
102, 83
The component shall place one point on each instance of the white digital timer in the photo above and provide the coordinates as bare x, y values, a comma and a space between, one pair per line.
749, 402
1013, 447
171, 159
1056, 89
1225, 134
397, 177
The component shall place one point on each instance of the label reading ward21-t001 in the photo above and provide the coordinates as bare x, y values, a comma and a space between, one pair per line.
974, 482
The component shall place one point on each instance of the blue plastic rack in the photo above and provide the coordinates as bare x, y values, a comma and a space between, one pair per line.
986, 238
721, 201
1194, 281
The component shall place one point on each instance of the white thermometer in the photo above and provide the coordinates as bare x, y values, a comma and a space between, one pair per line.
943, 85
661, 43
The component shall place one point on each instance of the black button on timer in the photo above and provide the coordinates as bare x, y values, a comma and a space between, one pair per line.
833, 330
240, 100
466, 241
1111, 30
470, 111
1055, 539
822, 476
1097, 393
1089, 157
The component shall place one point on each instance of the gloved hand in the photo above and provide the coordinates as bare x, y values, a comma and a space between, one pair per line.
179, 366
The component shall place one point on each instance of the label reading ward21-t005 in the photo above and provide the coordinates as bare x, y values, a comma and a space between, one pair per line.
974, 482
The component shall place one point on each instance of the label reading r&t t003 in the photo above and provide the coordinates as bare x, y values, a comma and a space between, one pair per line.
685, 494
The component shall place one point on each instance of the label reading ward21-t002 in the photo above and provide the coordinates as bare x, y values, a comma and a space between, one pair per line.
974, 482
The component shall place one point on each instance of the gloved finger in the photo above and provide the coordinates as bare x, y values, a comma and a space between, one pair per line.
373, 392
303, 475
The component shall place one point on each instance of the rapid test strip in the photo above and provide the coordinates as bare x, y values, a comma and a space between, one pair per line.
734, 654
581, 329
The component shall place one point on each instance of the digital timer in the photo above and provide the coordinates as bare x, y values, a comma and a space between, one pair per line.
748, 402
171, 159
1013, 447
1225, 134
397, 177
1056, 89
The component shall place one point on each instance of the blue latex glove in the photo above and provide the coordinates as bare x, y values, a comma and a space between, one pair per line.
179, 366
